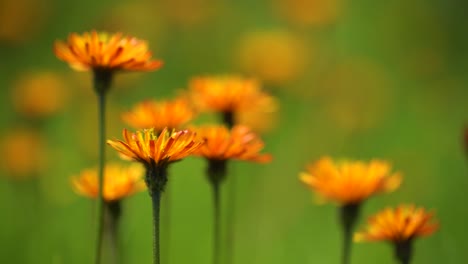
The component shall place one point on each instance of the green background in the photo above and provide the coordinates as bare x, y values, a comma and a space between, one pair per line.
387, 79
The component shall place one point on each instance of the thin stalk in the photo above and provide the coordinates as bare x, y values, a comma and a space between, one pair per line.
102, 82
216, 173
404, 251
113, 210
156, 179
348, 215
156, 201
228, 119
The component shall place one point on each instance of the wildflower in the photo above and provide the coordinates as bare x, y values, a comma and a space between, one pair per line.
399, 226
239, 143
275, 57
101, 51
23, 153
350, 182
119, 182
156, 152
229, 95
47, 86
160, 114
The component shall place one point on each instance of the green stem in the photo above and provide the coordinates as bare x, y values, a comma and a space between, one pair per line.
228, 119
156, 200
102, 82
348, 215
156, 179
404, 251
216, 173
113, 212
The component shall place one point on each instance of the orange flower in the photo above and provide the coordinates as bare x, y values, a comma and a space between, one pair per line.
24, 153
119, 182
397, 225
240, 143
160, 114
228, 94
350, 182
105, 52
146, 147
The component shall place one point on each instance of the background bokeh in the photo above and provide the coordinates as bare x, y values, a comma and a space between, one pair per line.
355, 79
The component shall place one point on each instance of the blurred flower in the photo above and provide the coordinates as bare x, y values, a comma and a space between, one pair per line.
223, 144
153, 150
20, 20
275, 57
395, 225
259, 120
189, 12
160, 114
229, 94
101, 51
23, 153
399, 226
119, 182
350, 182
39, 94
309, 12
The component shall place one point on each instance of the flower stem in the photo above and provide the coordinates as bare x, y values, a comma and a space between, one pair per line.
228, 119
113, 212
404, 251
156, 200
156, 179
349, 214
102, 81
216, 173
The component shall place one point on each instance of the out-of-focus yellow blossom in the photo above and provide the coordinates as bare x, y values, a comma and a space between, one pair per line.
23, 152
309, 12
275, 57
39, 94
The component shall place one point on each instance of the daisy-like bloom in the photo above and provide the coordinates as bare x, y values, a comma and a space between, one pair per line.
160, 114
229, 94
102, 51
350, 182
151, 149
119, 182
399, 226
239, 143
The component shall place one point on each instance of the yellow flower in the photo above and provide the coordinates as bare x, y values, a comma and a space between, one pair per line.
102, 51
223, 144
119, 182
228, 94
398, 225
350, 182
150, 149
276, 57
310, 12
160, 114
23, 152
47, 86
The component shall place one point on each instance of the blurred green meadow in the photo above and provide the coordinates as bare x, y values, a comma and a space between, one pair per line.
355, 79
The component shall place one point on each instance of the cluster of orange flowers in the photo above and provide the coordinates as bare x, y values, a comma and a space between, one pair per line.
160, 140
351, 183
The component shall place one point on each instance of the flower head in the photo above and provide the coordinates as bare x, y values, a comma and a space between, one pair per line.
350, 182
119, 181
160, 114
397, 225
223, 144
151, 149
228, 94
101, 51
